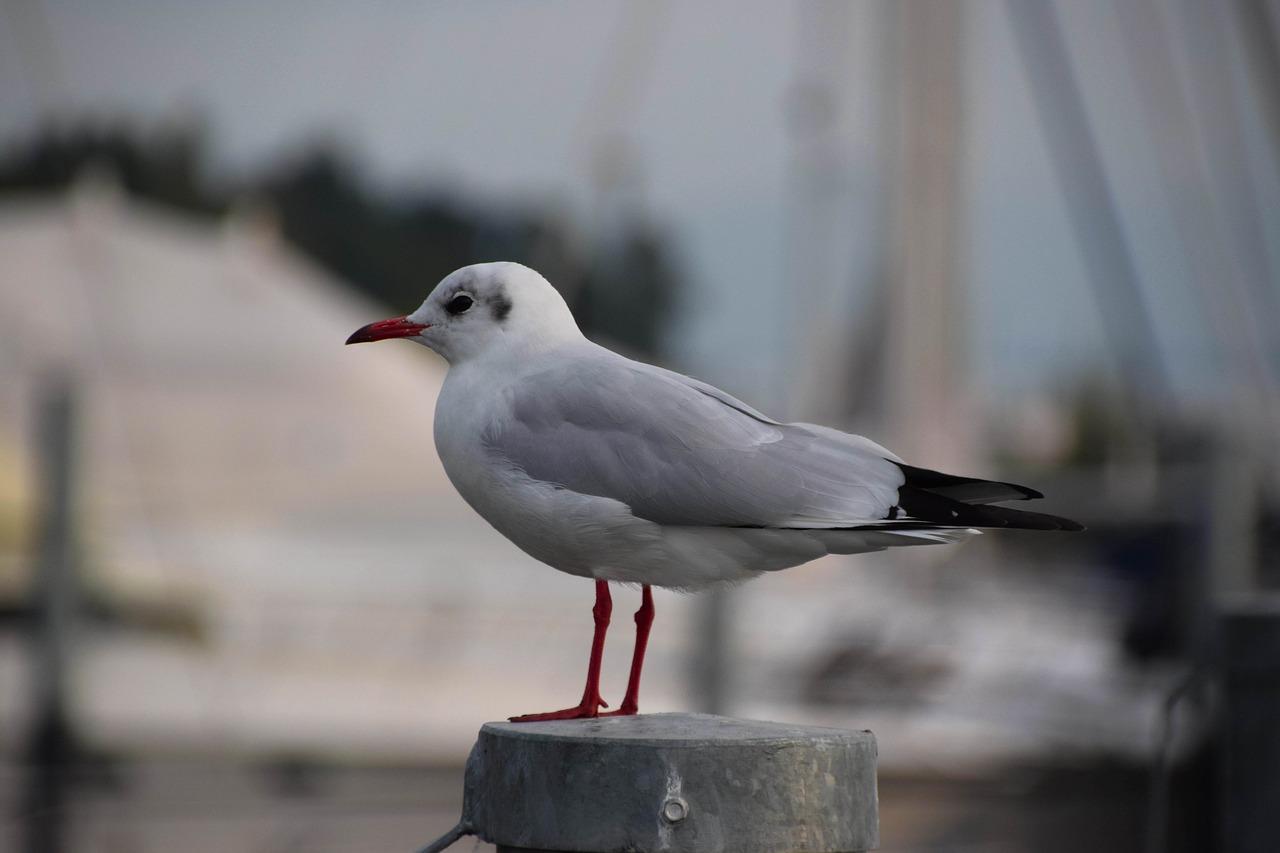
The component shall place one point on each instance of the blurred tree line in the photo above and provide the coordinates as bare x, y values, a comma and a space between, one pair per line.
394, 247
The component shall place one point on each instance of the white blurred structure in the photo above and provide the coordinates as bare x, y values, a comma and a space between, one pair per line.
240, 466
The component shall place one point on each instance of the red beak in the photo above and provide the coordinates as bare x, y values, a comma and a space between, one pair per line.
397, 327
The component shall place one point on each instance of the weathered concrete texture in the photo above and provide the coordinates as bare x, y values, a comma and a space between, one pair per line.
684, 783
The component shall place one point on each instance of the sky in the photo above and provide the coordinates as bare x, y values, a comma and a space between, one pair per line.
508, 102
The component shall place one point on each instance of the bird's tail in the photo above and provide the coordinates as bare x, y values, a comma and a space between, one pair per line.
946, 499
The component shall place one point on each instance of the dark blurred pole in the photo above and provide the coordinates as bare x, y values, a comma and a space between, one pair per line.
1231, 537
51, 745
1073, 149
1247, 622
712, 657
1250, 725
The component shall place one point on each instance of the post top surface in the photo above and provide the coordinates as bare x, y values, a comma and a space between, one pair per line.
673, 731
673, 783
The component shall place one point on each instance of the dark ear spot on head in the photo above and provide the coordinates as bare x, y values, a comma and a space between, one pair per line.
500, 305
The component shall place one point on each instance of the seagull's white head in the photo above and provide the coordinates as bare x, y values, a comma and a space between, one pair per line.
483, 309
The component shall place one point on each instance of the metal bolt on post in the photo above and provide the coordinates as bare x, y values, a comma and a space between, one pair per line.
677, 783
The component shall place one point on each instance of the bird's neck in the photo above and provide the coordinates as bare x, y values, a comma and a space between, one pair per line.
505, 351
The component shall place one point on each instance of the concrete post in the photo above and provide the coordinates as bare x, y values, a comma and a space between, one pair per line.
678, 783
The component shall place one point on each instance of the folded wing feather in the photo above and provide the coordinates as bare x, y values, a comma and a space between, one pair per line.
680, 452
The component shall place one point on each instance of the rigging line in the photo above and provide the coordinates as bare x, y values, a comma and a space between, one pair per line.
1181, 165
1091, 206
1207, 52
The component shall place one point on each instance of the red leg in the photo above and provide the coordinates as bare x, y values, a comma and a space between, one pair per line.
644, 621
591, 702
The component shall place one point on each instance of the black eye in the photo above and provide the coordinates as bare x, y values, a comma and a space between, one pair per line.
459, 304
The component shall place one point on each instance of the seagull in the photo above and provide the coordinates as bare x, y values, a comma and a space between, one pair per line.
620, 471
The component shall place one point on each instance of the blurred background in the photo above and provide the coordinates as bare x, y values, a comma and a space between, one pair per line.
241, 608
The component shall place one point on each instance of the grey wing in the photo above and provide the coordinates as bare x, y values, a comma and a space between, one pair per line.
679, 452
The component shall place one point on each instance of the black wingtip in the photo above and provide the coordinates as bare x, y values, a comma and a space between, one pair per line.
931, 506
968, 490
